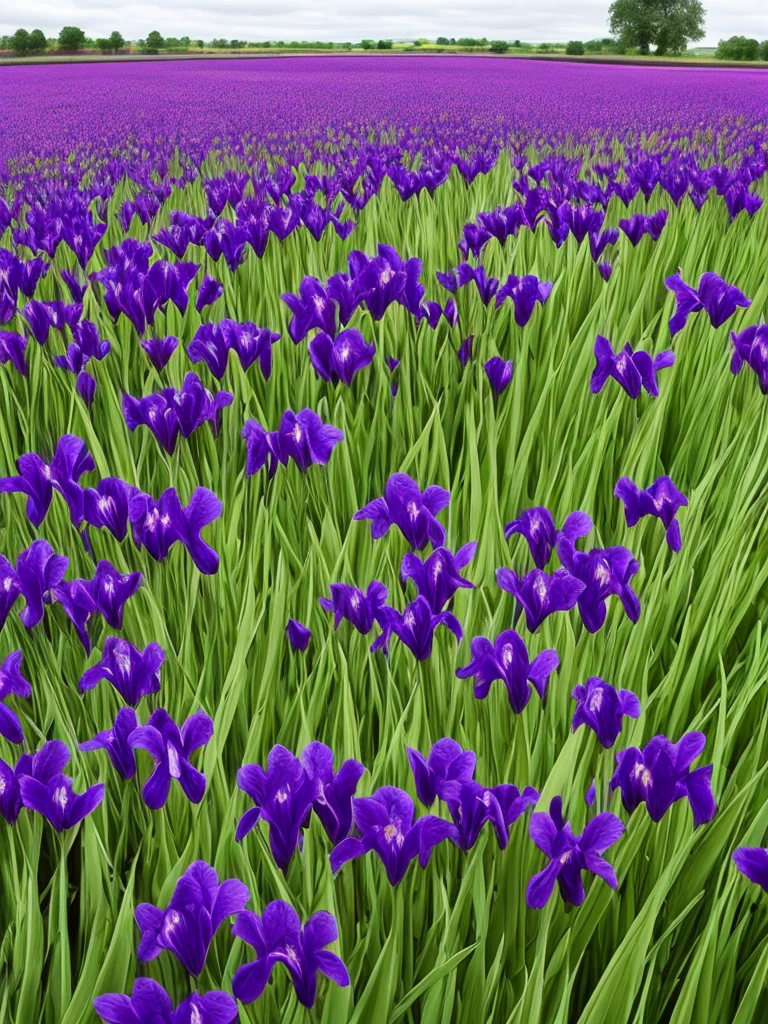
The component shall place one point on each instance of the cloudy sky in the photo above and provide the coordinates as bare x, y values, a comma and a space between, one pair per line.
340, 20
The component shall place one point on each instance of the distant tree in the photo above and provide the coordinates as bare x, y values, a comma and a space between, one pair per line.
37, 41
171, 43
575, 48
593, 46
103, 44
738, 48
116, 41
499, 46
71, 39
236, 44
764, 50
669, 25
20, 42
200, 44
384, 44
443, 41
516, 44
185, 42
545, 47
219, 44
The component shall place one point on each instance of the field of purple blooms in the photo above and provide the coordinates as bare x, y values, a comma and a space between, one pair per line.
383, 543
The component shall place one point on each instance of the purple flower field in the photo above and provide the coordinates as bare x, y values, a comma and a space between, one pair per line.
383, 542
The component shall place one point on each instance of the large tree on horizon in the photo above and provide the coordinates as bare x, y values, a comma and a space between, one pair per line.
669, 25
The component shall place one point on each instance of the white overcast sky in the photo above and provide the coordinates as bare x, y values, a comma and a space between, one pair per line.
341, 20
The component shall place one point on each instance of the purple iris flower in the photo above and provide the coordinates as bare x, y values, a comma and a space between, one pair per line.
602, 572
149, 1003
750, 347
298, 635
210, 291
277, 937
333, 800
404, 505
465, 349
157, 525
133, 673
106, 505
601, 708
312, 308
605, 269
160, 350
507, 659
539, 594
301, 436
437, 578
283, 797
173, 412
752, 862
87, 344
662, 499
38, 479
171, 749
86, 387
640, 224
472, 805
77, 287
12, 684
105, 594
350, 603
537, 526
599, 242
524, 293
341, 358
12, 350
52, 795
212, 344
446, 762
116, 742
486, 286
659, 775
719, 299
48, 763
38, 571
632, 370
569, 855
198, 906
415, 627
42, 316
499, 373
386, 826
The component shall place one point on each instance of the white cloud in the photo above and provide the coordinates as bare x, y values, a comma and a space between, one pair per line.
341, 20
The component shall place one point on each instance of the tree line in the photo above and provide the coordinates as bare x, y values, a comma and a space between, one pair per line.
637, 25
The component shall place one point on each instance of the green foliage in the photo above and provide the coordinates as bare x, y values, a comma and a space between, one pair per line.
20, 42
37, 41
27, 44
575, 48
443, 41
669, 25
368, 44
71, 39
384, 44
683, 941
738, 48
764, 50
468, 41
498, 46
116, 41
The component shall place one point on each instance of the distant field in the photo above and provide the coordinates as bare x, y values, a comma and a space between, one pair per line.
703, 57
